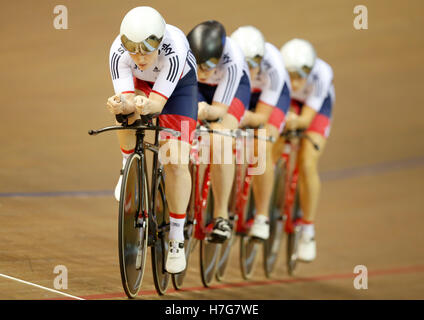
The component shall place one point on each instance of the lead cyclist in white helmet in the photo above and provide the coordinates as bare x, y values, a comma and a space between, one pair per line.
152, 71
270, 101
312, 102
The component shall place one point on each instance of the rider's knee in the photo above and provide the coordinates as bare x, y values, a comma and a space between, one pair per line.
221, 148
308, 165
176, 169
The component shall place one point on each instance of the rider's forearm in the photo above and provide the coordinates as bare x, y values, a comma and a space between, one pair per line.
216, 110
254, 119
156, 103
306, 117
128, 102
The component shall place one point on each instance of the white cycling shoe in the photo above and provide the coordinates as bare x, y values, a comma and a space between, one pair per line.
260, 227
176, 260
306, 250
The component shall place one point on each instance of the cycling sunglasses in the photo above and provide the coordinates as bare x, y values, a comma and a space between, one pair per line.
209, 64
299, 72
144, 47
254, 62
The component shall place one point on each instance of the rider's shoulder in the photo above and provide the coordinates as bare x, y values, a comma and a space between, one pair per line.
231, 55
322, 70
272, 58
174, 42
117, 47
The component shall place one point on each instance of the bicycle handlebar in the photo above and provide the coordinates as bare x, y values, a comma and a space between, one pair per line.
299, 133
237, 133
143, 124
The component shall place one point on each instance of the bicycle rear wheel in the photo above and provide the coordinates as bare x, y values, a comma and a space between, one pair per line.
276, 220
209, 251
133, 226
248, 246
293, 238
160, 246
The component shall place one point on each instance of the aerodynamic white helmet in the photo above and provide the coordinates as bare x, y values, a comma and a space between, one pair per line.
142, 30
251, 42
299, 56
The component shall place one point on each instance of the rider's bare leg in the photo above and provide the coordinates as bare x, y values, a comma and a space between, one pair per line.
178, 183
309, 180
222, 175
263, 184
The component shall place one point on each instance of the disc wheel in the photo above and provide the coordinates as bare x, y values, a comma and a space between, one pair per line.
160, 246
248, 246
276, 221
209, 251
133, 226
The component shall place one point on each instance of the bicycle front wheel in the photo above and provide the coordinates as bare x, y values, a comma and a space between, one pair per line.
133, 226
276, 221
248, 246
209, 251
293, 238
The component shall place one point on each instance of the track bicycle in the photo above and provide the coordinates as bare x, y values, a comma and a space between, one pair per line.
143, 213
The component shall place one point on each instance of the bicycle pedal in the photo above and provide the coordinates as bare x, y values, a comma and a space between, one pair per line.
151, 240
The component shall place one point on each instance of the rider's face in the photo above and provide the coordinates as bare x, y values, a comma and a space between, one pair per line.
254, 72
203, 74
144, 61
297, 82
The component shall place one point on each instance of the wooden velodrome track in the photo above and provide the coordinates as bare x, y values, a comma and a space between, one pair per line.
56, 205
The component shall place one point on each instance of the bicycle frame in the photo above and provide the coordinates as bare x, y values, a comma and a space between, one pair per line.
241, 199
140, 126
290, 184
201, 190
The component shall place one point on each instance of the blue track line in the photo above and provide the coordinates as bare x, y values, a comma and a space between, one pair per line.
332, 175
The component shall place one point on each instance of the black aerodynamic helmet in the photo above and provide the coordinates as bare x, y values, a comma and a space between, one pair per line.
207, 41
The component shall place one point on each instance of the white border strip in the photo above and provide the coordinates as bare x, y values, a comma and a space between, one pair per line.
41, 287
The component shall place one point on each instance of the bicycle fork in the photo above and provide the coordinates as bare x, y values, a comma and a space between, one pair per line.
290, 187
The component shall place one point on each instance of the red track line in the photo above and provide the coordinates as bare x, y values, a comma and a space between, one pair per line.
400, 270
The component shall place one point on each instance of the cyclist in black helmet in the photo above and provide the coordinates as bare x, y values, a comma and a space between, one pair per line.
224, 93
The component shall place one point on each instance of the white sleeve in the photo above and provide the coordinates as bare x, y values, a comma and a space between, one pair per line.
321, 87
120, 72
173, 66
272, 90
228, 85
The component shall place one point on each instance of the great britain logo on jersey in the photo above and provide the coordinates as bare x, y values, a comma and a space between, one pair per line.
166, 47
226, 59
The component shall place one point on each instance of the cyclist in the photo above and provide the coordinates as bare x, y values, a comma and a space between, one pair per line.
223, 92
270, 101
313, 97
153, 71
